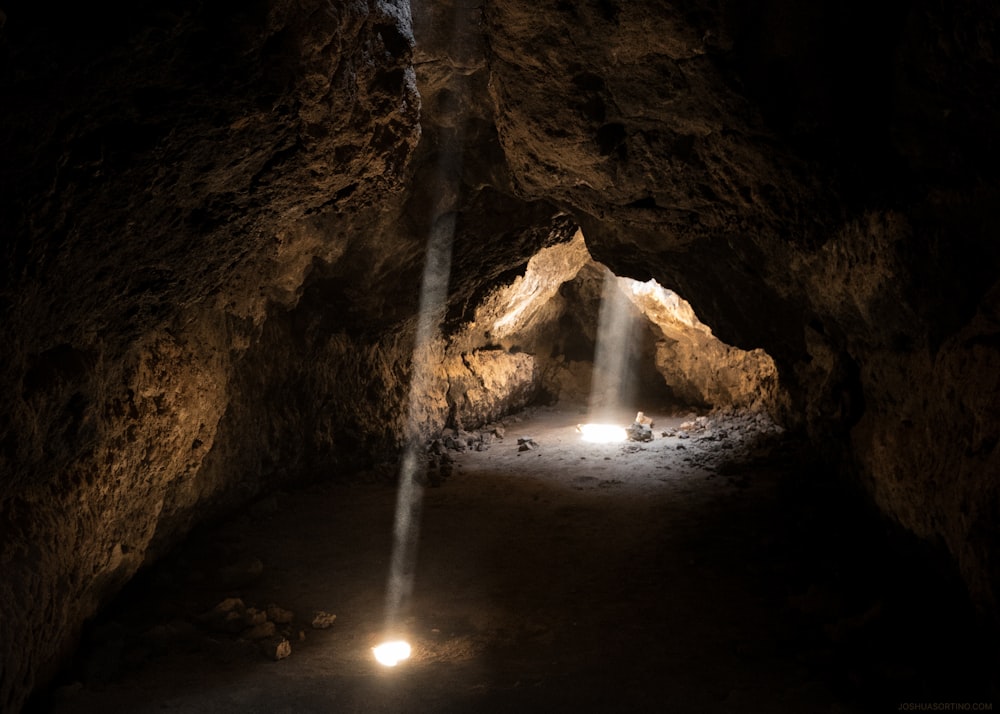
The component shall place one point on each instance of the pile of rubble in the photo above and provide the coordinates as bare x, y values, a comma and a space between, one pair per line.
462, 440
439, 460
271, 628
726, 437
722, 424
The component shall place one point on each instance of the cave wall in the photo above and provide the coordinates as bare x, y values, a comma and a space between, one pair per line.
817, 180
700, 369
161, 174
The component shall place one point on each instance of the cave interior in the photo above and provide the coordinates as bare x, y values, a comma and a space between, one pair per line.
280, 276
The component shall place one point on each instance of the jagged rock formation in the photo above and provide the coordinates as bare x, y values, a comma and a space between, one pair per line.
165, 177
215, 216
832, 207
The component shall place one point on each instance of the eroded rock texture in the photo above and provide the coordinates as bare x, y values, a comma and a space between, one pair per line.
215, 216
164, 175
819, 181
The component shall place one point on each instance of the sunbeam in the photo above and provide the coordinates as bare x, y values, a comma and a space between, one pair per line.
446, 181
612, 381
406, 529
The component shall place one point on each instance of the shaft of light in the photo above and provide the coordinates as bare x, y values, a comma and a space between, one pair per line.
611, 382
444, 195
409, 496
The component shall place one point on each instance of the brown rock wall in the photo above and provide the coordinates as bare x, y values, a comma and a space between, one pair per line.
160, 170
835, 208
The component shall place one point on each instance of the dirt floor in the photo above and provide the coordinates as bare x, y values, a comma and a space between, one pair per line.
715, 570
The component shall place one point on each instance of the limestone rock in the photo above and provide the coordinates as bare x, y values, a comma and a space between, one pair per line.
254, 617
279, 615
639, 432
276, 648
230, 615
323, 620
260, 631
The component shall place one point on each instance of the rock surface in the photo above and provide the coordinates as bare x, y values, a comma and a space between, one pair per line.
165, 174
835, 210
215, 218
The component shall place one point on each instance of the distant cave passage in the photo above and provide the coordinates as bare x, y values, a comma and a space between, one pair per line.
570, 331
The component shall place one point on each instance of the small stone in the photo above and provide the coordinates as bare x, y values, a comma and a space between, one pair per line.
322, 620
260, 631
683, 435
436, 447
279, 615
254, 617
639, 432
276, 648
302, 635
229, 605
228, 616
498, 431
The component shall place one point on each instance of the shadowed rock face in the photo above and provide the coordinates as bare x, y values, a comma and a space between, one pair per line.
215, 216
820, 182
165, 177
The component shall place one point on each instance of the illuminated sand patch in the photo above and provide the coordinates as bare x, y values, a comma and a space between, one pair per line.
602, 433
389, 654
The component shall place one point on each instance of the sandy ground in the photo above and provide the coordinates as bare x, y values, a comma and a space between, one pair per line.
714, 574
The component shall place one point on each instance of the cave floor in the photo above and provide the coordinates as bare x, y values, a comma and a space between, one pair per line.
719, 573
